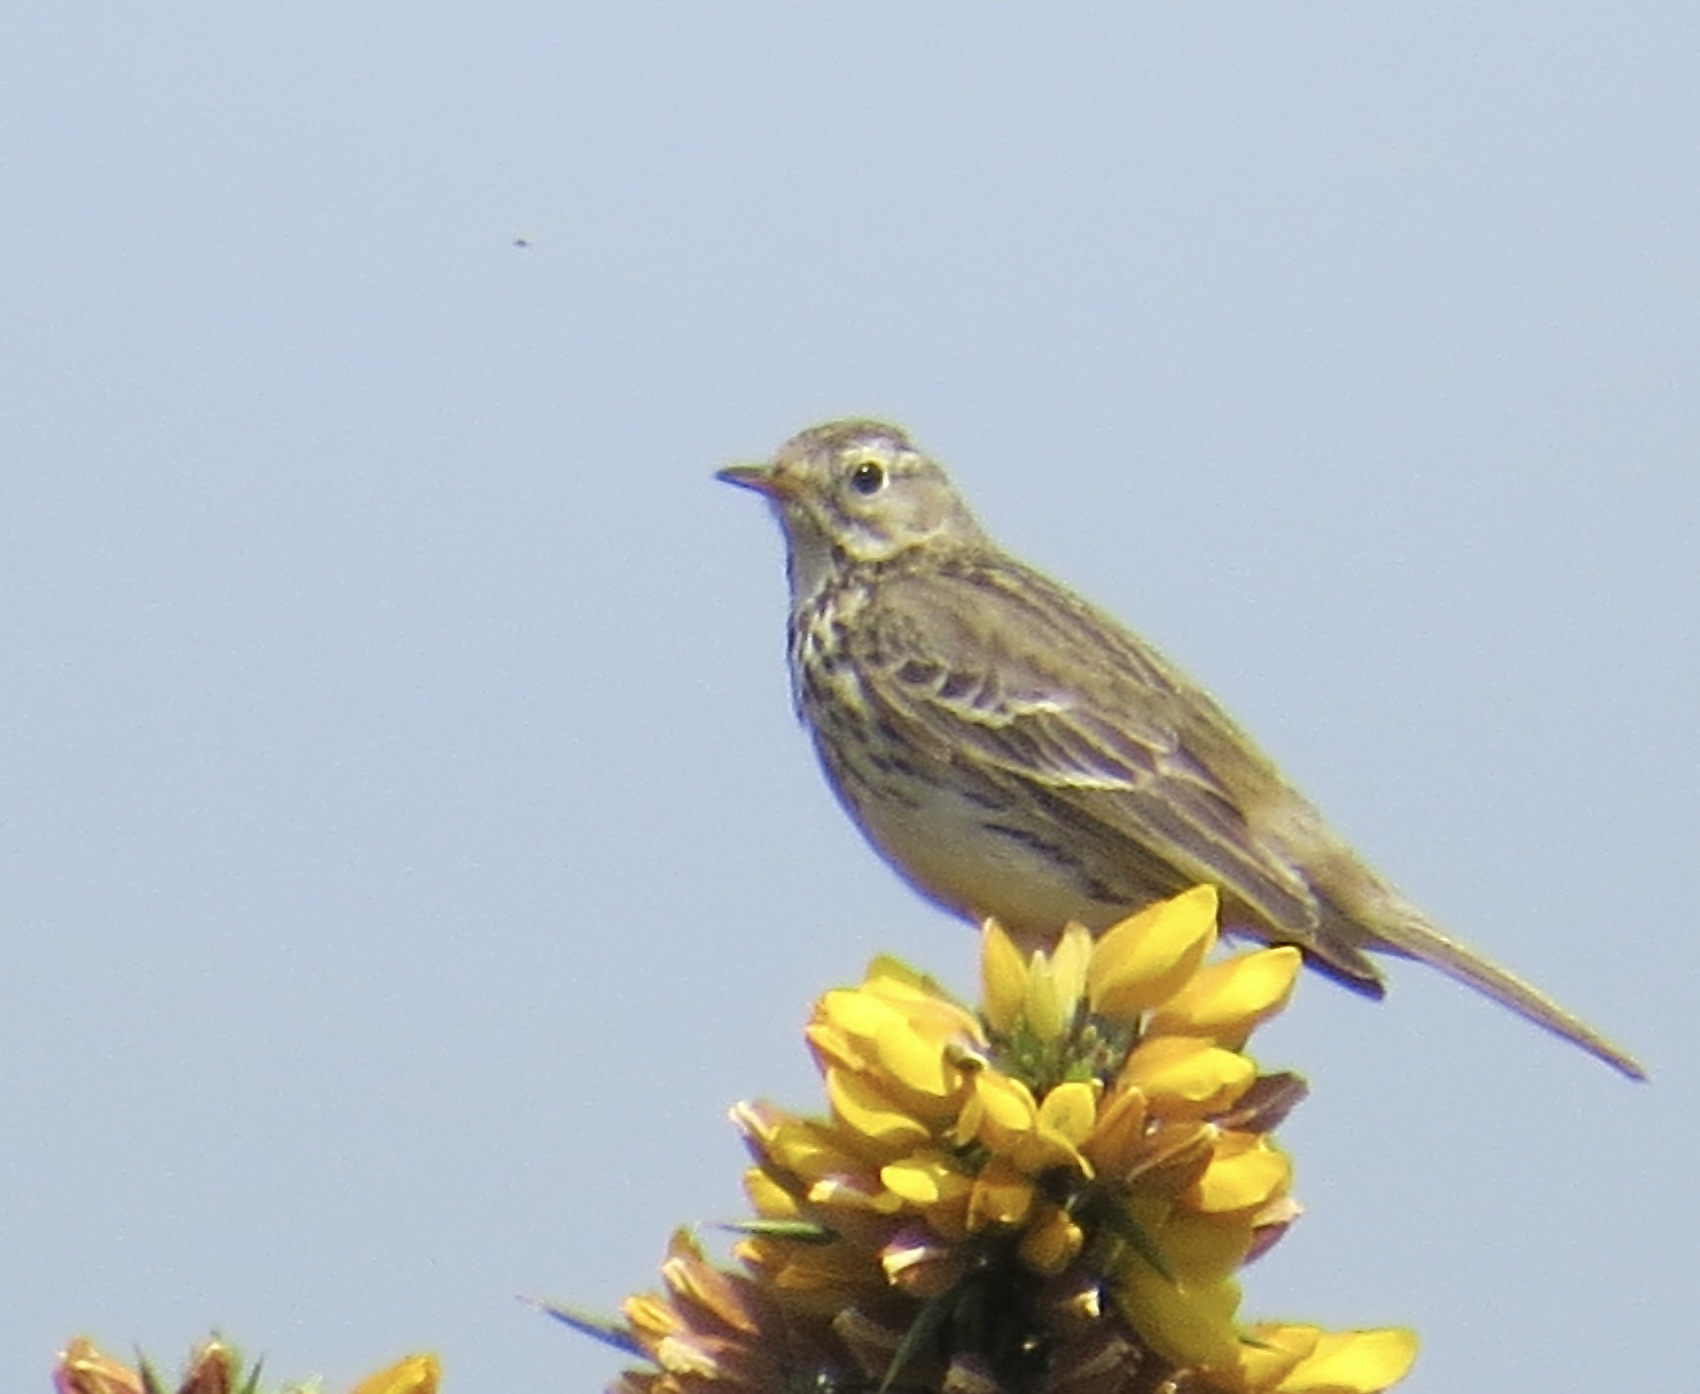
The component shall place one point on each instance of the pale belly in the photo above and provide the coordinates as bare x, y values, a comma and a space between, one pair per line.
957, 852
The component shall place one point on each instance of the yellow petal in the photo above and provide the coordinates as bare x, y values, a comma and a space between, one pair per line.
835, 1046
846, 1023
917, 1061
1052, 1241
768, 1198
691, 1355
413, 1374
1226, 1001
1002, 1196
969, 1120
1055, 983
1069, 962
855, 1193
823, 1276
1003, 977
1003, 1116
1189, 1325
1203, 1249
1186, 1075
810, 1154
1043, 1150
860, 1104
1353, 1362
650, 1317
855, 1011
1244, 1173
1145, 959
925, 1178
789, 1144
1070, 1110
927, 1008
1269, 1352
1005, 1109
887, 972
1118, 1134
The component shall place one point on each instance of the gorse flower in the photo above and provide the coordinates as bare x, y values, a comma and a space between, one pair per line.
1052, 1194
215, 1368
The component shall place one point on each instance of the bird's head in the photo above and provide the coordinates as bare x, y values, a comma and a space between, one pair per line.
855, 492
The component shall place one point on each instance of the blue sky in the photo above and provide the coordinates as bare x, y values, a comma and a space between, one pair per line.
406, 850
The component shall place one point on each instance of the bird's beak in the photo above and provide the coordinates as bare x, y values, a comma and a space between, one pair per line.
760, 478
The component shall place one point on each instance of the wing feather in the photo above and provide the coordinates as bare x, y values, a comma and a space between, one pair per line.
1088, 715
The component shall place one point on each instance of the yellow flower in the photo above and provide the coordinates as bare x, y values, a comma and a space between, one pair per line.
876, 1115
1003, 979
1183, 1076
413, 1374
1244, 1174
1308, 1360
1190, 1324
894, 1052
1055, 982
215, 1368
1001, 1196
800, 1150
1003, 1115
1052, 1241
1353, 1362
1225, 1001
81, 1369
935, 1185
1075, 1175
1149, 956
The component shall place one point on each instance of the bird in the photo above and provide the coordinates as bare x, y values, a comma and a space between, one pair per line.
1017, 754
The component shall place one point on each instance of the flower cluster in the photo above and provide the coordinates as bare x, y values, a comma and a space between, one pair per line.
1052, 1194
215, 1368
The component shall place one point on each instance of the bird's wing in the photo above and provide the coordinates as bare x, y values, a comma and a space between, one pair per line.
993, 663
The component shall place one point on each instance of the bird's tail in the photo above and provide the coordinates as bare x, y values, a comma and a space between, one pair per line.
1393, 926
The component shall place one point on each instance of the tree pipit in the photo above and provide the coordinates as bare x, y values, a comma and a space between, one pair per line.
1016, 753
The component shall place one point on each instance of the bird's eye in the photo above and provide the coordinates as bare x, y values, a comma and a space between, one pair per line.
867, 478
